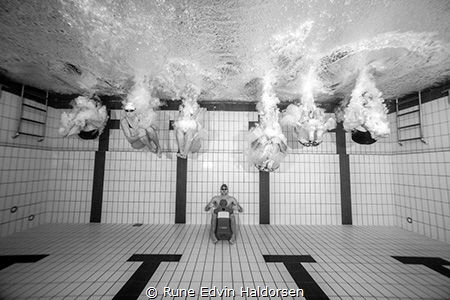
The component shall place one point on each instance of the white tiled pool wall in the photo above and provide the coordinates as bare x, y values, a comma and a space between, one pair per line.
52, 180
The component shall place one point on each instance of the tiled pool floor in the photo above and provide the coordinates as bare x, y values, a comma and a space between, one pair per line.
119, 261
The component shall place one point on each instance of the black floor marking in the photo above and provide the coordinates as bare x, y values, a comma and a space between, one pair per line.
311, 289
7, 260
134, 286
435, 263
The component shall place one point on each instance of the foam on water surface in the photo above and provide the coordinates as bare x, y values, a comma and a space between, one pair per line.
225, 48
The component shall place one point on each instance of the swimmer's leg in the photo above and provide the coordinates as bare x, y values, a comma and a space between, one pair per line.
283, 147
188, 138
153, 138
311, 134
213, 228
319, 136
150, 145
196, 144
233, 229
180, 141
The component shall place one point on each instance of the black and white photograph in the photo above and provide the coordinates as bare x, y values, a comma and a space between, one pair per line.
225, 149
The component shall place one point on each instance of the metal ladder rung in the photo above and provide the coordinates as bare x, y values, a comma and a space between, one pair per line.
30, 134
36, 94
33, 121
34, 107
21, 118
407, 113
419, 116
408, 126
410, 139
410, 100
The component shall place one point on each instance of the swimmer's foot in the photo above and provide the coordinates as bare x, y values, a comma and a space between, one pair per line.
214, 240
159, 153
180, 155
232, 241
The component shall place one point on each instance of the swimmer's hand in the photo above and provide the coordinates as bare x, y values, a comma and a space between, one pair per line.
209, 206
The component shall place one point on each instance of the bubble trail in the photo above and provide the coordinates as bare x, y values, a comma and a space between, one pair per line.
86, 115
309, 121
366, 110
268, 145
140, 97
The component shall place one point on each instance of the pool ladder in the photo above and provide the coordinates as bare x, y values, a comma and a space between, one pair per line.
35, 111
417, 112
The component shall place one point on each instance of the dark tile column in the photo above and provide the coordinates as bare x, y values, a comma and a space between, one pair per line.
180, 200
344, 174
99, 171
264, 197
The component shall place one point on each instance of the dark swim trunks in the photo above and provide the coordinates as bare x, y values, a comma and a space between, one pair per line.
223, 206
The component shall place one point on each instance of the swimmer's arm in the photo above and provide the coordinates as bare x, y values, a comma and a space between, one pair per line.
197, 113
154, 127
124, 127
239, 207
74, 129
283, 147
97, 123
211, 204
127, 132
72, 125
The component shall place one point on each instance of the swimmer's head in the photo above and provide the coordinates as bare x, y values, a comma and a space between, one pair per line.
224, 189
129, 107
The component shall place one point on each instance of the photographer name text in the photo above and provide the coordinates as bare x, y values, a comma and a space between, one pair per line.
258, 291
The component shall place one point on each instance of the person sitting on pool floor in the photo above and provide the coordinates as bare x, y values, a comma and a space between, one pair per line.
231, 206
